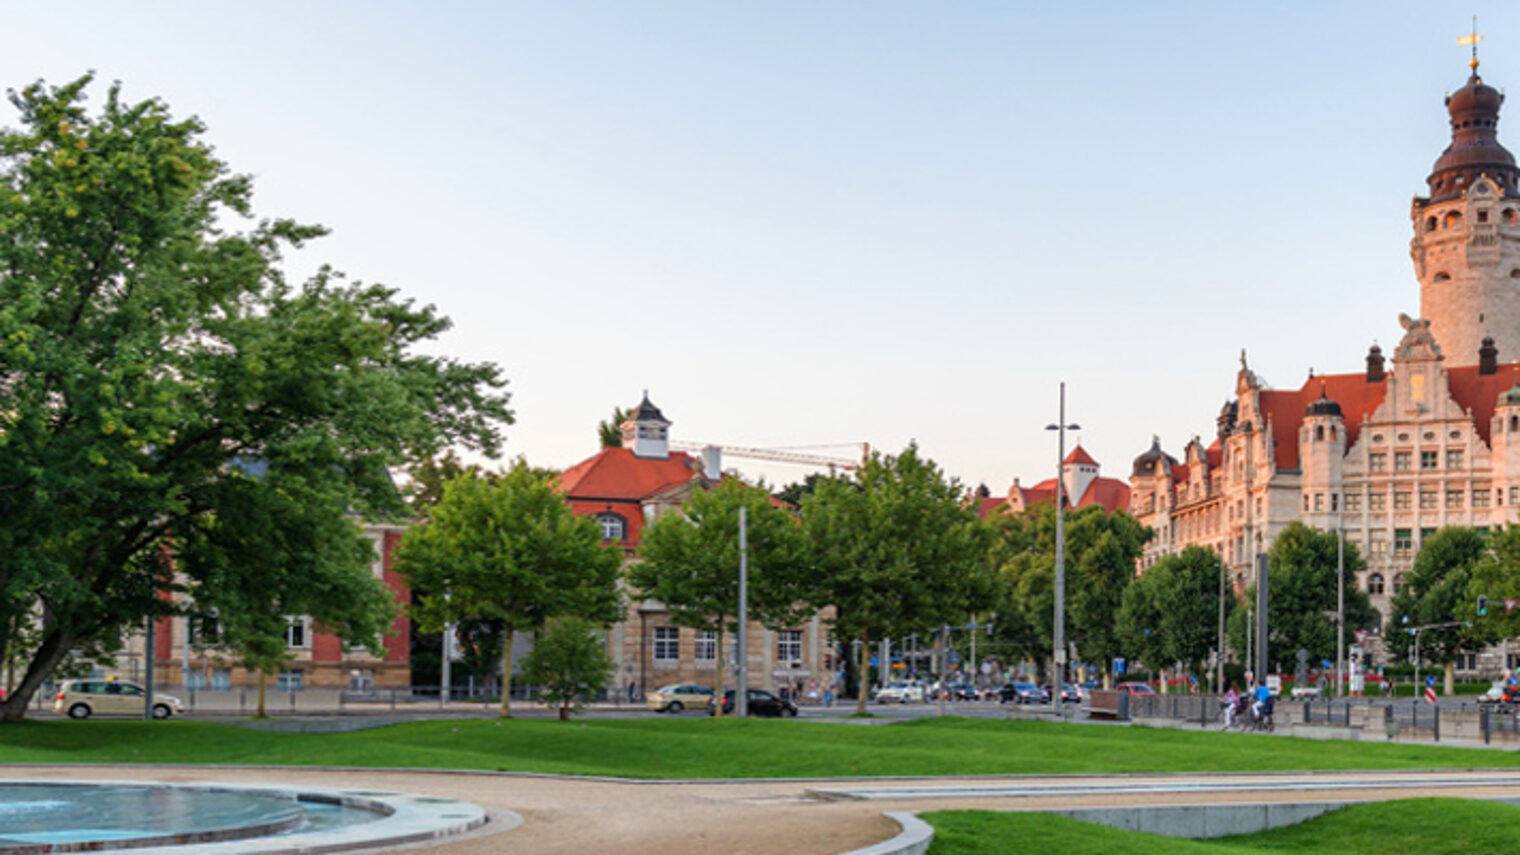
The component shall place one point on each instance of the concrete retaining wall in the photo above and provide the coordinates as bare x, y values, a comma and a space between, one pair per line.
1201, 821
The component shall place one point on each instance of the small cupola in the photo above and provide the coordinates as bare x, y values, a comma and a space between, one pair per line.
1145, 464
1323, 406
1510, 397
646, 431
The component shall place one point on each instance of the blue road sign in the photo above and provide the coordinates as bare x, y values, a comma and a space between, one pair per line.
1430, 680
873, 661
1118, 665
1327, 663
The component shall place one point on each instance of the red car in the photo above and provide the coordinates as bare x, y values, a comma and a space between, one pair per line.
1135, 689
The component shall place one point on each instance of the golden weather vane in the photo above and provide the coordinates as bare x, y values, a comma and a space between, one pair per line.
1473, 40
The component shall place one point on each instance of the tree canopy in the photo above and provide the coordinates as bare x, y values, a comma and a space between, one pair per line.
147, 346
1301, 602
901, 555
690, 561
1101, 550
508, 550
1435, 592
1171, 612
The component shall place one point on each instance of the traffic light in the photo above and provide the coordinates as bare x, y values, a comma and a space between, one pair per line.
1482, 605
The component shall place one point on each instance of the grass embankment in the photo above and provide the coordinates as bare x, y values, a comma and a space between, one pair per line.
730, 748
1426, 826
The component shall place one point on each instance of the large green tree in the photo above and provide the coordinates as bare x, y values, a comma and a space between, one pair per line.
1171, 613
147, 345
690, 562
508, 550
1435, 592
1101, 550
897, 553
1301, 603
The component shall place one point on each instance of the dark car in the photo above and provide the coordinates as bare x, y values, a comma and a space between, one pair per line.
962, 692
1022, 693
761, 703
1069, 693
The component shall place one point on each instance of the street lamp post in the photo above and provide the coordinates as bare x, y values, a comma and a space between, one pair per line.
1060, 428
1415, 631
1340, 607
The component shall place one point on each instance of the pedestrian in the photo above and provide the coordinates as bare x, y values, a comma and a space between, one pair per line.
828, 694
633, 691
812, 692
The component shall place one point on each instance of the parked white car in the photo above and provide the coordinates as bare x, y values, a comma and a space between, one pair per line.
901, 691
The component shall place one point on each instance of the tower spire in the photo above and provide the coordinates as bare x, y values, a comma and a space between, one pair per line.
1473, 40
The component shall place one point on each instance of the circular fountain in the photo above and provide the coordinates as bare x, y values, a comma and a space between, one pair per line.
80, 816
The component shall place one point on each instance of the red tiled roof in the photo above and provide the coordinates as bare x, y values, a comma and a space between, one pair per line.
1078, 455
615, 473
1474, 392
1180, 472
1110, 493
987, 506
1285, 409
1214, 454
1478, 393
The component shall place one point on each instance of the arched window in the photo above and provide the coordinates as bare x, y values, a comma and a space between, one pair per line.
1514, 423
1375, 583
1319, 433
1398, 582
1430, 224
614, 527
1443, 277
1510, 217
1453, 218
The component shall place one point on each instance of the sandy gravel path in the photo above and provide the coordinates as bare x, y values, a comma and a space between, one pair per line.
567, 815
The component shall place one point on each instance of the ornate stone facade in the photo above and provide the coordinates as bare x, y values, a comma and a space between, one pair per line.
1393, 455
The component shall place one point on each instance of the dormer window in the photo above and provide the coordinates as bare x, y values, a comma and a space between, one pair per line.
614, 527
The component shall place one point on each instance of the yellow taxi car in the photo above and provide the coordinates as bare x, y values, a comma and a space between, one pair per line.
84, 698
677, 697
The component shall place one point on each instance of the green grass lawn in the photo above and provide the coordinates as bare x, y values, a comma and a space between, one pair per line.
1424, 826
729, 748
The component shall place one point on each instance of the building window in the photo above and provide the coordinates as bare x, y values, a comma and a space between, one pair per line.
203, 630
667, 643
1335, 501
1398, 582
789, 646
1454, 498
1401, 461
290, 681
1481, 498
1306, 501
361, 680
1514, 496
707, 645
1427, 500
1453, 458
1319, 501
1377, 462
1428, 459
296, 635
1426, 534
1403, 541
1354, 502
1375, 583
1377, 543
613, 526
1377, 502
1401, 500
1319, 433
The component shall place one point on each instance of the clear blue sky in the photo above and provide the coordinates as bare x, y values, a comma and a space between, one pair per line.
810, 222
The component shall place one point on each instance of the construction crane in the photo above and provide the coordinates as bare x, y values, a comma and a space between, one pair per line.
785, 455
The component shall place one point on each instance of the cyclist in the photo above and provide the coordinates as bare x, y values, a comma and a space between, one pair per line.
1261, 703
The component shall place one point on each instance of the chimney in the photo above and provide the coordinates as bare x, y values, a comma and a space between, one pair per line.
1488, 357
1375, 364
712, 462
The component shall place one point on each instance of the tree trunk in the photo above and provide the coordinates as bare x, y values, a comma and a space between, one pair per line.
564, 712
722, 666
1451, 680
263, 686
506, 676
55, 645
865, 674
1108, 679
